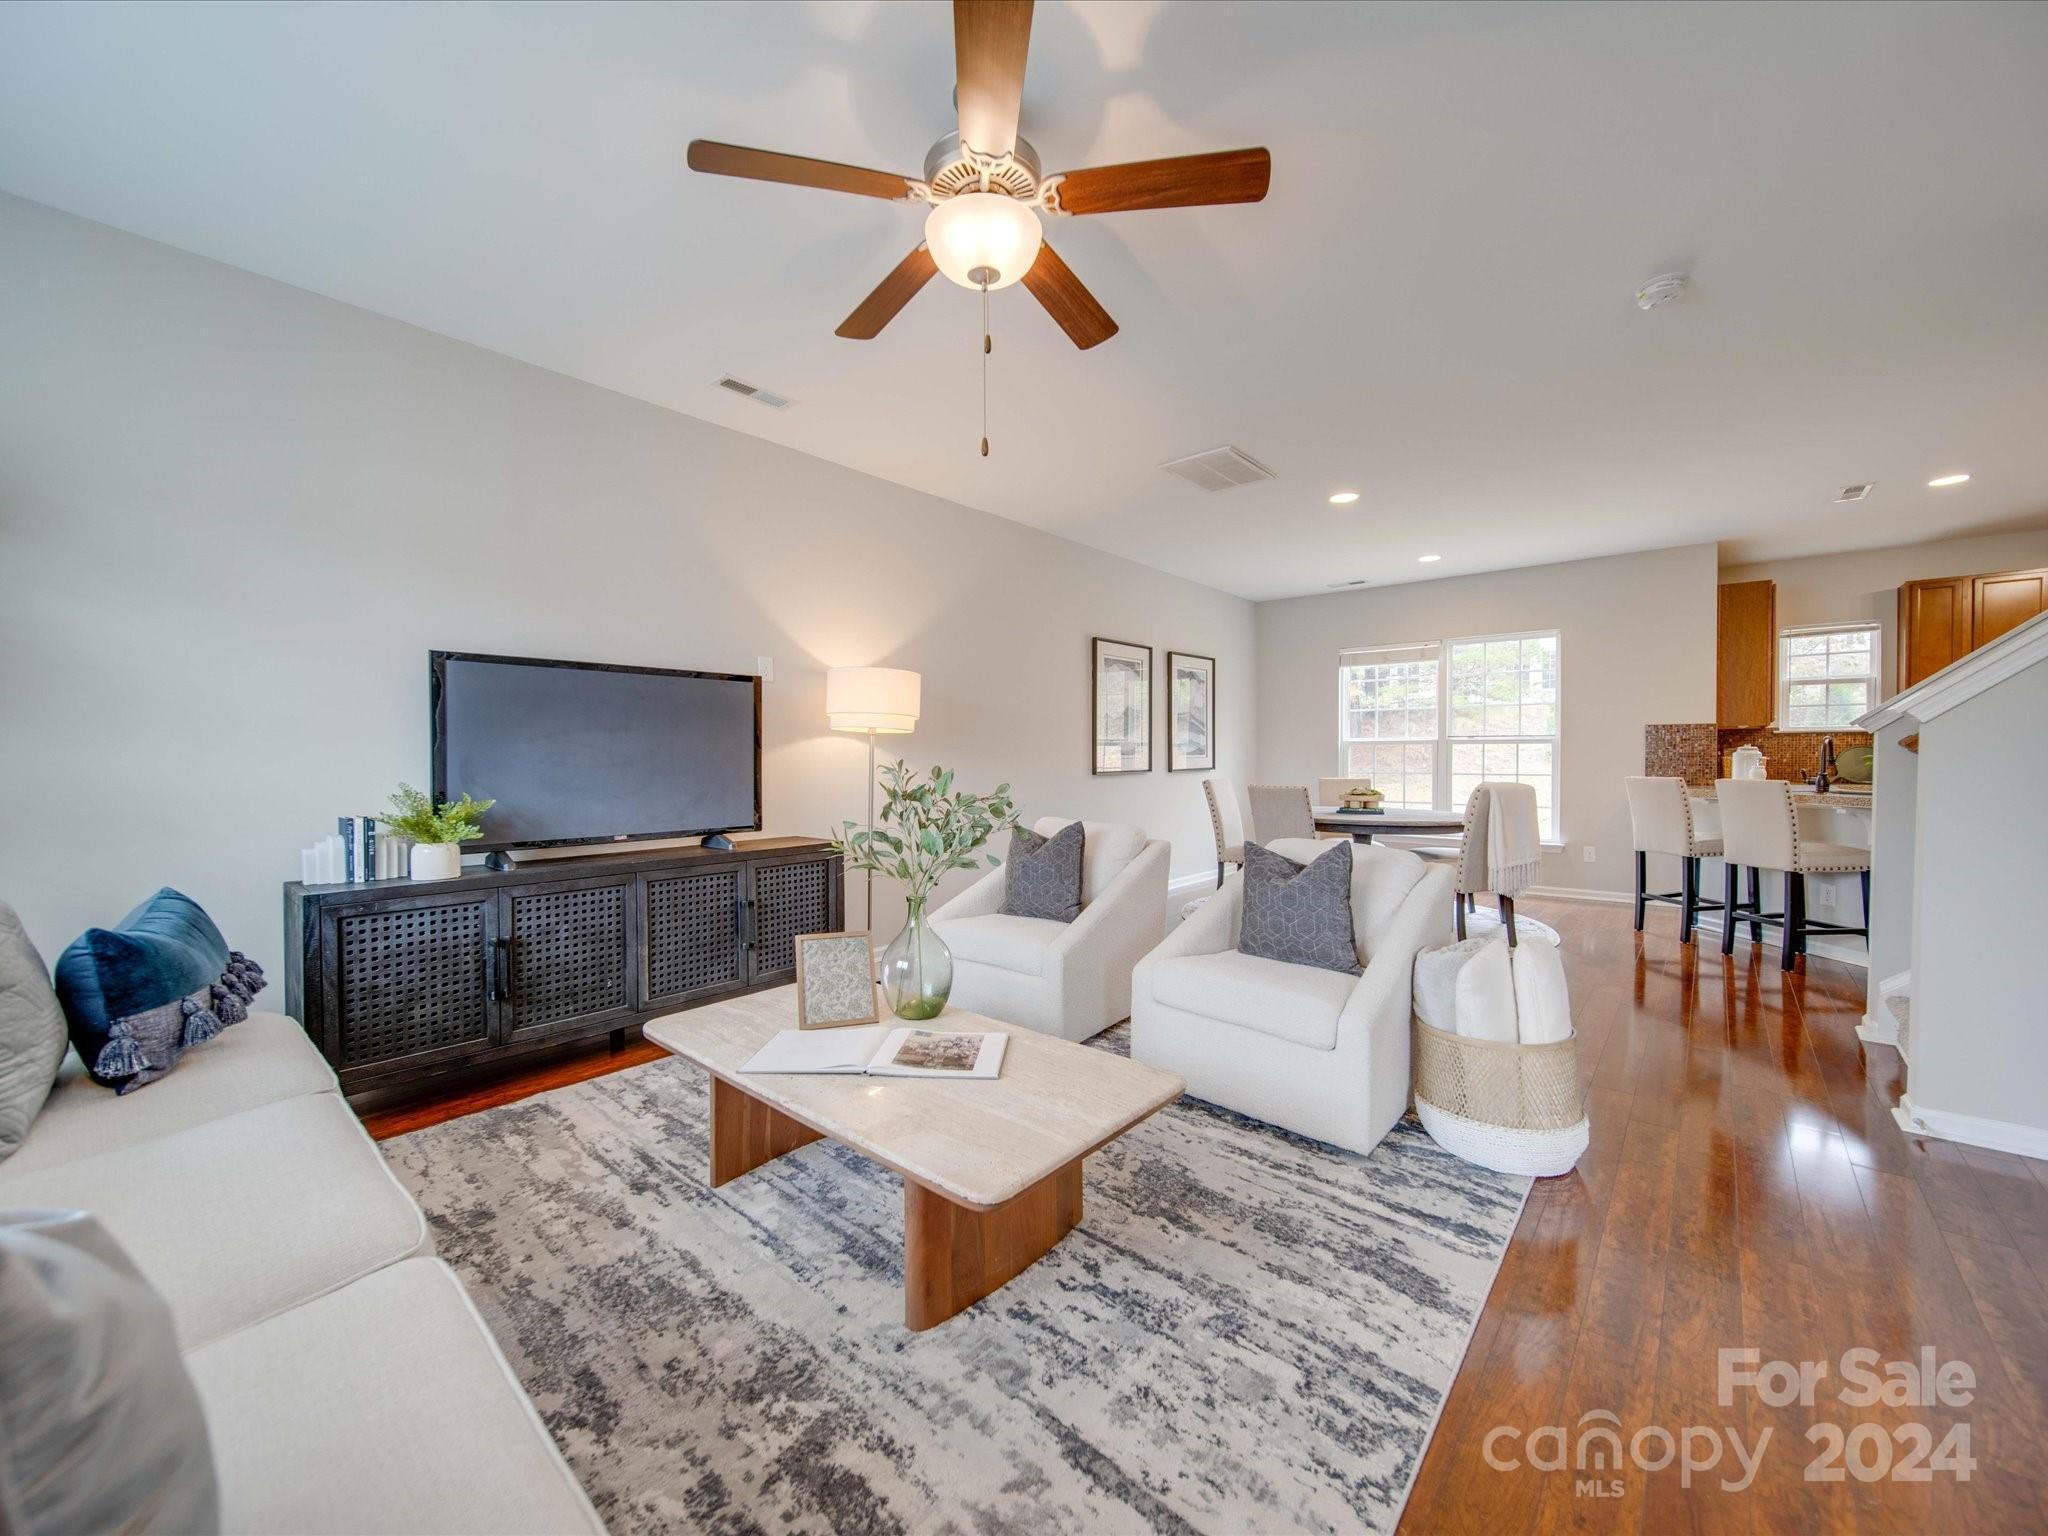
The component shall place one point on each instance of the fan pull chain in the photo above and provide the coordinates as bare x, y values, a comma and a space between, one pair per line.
986, 347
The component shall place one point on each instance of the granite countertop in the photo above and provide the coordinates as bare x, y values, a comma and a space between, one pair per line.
1840, 798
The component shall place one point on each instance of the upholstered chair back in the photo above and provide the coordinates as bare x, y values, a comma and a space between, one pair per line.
1281, 810
1224, 816
1757, 826
1472, 852
1664, 817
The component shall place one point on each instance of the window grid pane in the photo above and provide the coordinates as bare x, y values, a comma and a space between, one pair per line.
1826, 678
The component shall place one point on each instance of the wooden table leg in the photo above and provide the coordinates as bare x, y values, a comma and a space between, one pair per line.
953, 1255
745, 1133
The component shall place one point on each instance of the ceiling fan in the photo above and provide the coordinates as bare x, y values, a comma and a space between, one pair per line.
987, 194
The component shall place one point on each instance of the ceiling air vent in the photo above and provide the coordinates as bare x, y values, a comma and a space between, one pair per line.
1219, 469
1344, 586
758, 396
1855, 492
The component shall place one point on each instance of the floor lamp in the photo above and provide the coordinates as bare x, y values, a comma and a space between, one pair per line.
880, 701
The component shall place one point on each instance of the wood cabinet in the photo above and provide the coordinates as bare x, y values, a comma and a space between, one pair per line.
398, 981
1945, 618
1746, 652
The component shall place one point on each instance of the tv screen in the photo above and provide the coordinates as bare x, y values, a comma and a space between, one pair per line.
580, 753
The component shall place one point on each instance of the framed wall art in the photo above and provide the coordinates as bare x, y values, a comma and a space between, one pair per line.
1120, 713
1190, 712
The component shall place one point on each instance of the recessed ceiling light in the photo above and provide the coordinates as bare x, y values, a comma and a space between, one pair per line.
1429, 559
1343, 498
1937, 484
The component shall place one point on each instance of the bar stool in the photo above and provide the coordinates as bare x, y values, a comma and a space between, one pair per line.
1665, 819
1760, 830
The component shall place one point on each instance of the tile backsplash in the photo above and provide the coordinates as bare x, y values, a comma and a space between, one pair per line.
1698, 754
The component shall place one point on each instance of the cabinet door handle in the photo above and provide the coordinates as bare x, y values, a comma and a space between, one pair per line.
502, 972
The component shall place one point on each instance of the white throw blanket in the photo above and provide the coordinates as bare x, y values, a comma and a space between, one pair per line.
1514, 849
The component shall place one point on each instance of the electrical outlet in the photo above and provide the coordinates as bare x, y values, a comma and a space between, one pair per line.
765, 667
1592, 854
1826, 897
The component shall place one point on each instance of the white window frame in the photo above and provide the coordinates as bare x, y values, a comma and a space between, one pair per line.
1346, 741
1782, 707
1445, 742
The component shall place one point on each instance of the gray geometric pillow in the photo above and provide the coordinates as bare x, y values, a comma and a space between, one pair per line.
1299, 913
1043, 877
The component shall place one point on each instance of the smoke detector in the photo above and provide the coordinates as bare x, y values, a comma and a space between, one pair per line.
1659, 291
1855, 492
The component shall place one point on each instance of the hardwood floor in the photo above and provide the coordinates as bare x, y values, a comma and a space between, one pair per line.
1746, 1187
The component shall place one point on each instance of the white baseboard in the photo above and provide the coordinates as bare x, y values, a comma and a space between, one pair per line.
1875, 1030
1575, 893
1971, 1130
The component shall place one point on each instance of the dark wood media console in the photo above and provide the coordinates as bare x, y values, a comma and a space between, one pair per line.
403, 982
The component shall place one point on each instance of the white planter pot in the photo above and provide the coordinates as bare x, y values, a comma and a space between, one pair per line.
436, 861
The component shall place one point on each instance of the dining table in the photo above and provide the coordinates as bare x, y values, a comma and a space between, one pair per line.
1364, 826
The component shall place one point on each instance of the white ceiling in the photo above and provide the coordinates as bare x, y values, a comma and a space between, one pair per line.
1433, 306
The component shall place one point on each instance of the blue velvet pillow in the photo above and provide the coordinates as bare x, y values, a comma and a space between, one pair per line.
137, 995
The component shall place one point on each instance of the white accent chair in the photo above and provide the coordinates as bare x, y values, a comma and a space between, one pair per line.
1067, 979
1226, 822
1313, 1051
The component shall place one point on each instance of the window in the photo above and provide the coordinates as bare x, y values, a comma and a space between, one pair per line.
1504, 718
1388, 721
1827, 676
1426, 738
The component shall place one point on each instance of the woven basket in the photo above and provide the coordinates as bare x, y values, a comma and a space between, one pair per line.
1513, 1108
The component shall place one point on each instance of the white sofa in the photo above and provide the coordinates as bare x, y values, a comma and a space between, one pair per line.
349, 1385
1067, 979
1313, 1051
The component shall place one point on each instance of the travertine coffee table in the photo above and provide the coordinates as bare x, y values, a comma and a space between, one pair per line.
991, 1170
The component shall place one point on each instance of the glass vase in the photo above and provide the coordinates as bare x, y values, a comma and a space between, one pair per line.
917, 969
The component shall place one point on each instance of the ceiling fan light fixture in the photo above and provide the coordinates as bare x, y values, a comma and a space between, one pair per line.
978, 234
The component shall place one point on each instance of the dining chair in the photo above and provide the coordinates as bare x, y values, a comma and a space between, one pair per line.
1226, 822
1281, 810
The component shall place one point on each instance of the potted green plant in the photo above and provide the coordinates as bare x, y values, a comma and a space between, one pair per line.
436, 833
926, 829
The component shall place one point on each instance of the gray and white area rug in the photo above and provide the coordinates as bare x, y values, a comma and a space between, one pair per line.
1249, 1332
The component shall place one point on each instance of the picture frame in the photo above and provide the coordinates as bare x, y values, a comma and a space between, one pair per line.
1119, 707
835, 980
1190, 712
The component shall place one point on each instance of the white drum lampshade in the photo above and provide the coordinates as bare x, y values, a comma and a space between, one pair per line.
885, 700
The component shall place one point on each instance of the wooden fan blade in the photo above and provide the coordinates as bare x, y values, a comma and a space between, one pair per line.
1068, 301
990, 40
1190, 181
796, 171
889, 297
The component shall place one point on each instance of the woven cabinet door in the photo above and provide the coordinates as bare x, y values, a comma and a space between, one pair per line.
568, 957
408, 982
789, 899
691, 947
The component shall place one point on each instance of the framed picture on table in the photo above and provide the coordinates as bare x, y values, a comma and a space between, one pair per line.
835, 980
1120, 712
1190, 712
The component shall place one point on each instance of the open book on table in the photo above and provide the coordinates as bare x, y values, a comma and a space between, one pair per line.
877, 1050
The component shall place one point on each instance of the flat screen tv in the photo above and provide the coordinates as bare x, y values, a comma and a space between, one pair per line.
574, 752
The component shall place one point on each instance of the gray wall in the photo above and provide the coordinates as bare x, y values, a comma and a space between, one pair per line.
1636, 647
235, 516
